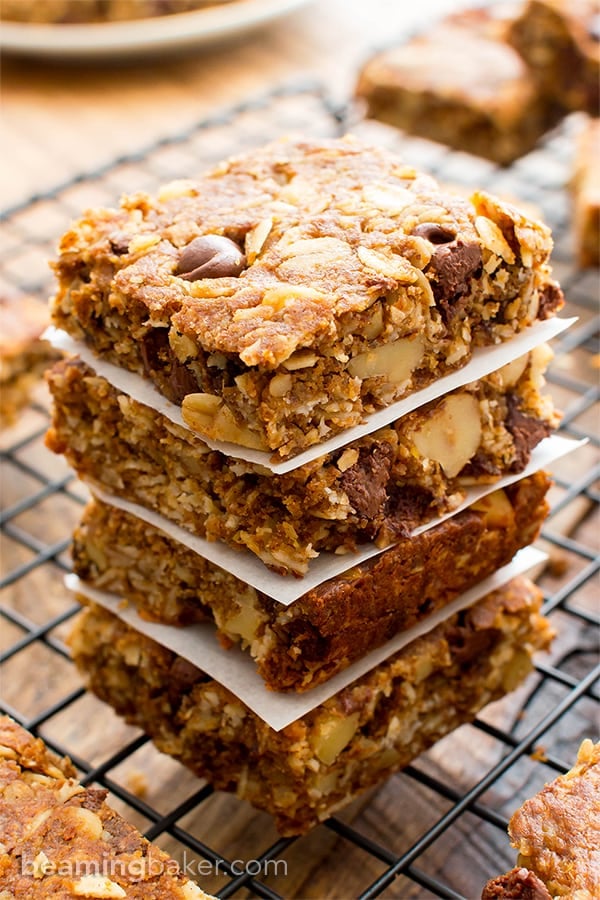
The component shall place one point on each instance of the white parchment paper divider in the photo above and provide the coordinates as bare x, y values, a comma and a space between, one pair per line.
287, 589
236, 671
484, 361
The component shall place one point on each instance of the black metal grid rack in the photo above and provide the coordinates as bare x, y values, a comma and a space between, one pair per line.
438, 829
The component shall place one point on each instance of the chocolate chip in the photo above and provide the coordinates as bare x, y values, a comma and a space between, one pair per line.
210, 256
434, 233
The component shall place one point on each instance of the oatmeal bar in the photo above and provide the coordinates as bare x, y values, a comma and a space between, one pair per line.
586, 189
371, 728
59, 839
59, 12
379, 487
560, 42
557, 832
299, 646
23, 356
460, 84
289, 292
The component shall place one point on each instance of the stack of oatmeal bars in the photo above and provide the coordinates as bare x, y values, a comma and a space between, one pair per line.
305, 391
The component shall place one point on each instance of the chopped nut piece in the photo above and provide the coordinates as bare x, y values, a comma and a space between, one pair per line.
395, 362
332, 734
97, 886
453, 433
497, 509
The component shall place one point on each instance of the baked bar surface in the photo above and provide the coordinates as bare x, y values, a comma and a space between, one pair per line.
351, 742
560, 42
299, 646
461, 84
60, 840
557, 832
290, 292
23, 356
60, 12
586, 190
378, 488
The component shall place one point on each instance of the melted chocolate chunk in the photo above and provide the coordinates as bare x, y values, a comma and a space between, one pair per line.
210, 256
434, 233
453, 266
406, 508
466, 644
551, 300
366, 481
158, 356
480, 464
526, 433
119, 242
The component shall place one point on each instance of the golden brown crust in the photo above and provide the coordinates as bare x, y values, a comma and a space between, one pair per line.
371, 728
59, 840
302, 645
557, 832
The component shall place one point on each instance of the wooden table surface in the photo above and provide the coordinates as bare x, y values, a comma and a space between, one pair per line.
59, 120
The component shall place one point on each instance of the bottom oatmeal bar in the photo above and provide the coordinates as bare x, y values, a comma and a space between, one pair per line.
299, 646
371, 728
59, 839
557, 834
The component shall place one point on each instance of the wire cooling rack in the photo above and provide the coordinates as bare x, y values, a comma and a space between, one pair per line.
438, 829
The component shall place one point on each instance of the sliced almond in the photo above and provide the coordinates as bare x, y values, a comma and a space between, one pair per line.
452, 434
395, 361
512, 371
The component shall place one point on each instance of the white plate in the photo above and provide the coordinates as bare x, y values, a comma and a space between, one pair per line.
141, 36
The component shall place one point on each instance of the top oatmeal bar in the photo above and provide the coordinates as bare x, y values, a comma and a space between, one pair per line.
289, 292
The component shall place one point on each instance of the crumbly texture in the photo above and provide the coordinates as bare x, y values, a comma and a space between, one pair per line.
461, 84
60, 840
560, 42
357, 280
23, 356
299, 646
377, 488
557, 832
586, 190
518, 884
354, 740
62, 12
